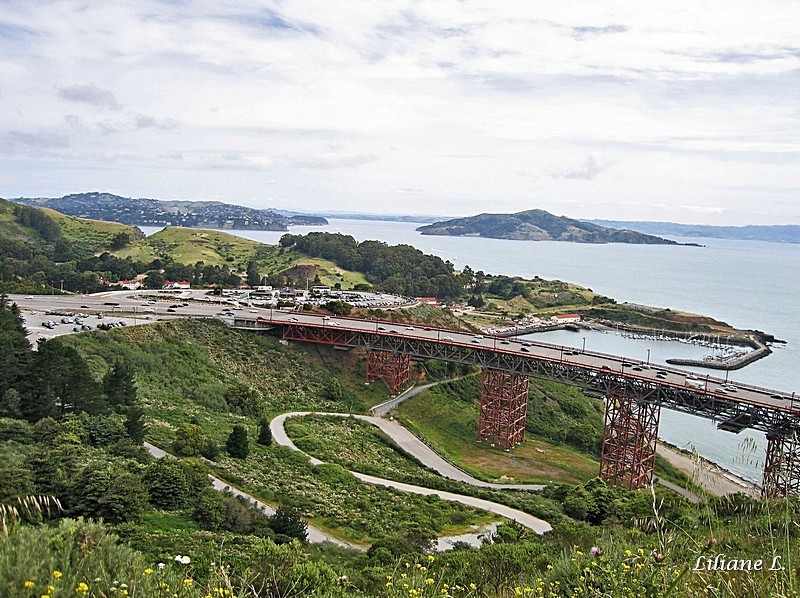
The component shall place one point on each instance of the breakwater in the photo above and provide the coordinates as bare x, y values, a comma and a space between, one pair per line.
731, 363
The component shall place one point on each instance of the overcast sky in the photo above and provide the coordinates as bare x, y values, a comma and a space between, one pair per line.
684, 111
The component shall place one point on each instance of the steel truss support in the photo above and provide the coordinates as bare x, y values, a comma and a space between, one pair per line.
782, 466
504, 402
391, 367
628, 449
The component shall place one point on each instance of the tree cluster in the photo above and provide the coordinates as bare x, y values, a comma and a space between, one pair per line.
397, 269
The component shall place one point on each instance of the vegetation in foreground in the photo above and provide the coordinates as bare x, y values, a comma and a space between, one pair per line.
605, 542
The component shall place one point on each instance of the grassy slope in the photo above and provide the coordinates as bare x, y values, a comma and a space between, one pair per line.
9, 227
330, 274
183, 370
451, 428
98, 233
192, 245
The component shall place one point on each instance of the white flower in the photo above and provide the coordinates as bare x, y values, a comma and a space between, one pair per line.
160, 565
183, 560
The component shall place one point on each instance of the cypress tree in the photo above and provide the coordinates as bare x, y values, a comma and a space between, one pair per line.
237, 444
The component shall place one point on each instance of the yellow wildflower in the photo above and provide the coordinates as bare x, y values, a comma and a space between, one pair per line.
28, 584
148, 571
188, 582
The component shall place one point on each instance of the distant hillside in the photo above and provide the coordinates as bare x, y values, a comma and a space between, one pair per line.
189, 246
788, 233
40, 226
537, 225
153, 212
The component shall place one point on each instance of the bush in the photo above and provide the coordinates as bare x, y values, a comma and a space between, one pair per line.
287, 521
210, 510
167, 484
189, 439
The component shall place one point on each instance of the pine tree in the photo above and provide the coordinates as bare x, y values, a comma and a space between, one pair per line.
134, 424
264, 433
237, 444
119, 385
9, 404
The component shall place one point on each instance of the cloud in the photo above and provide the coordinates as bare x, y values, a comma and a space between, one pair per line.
267, 19
328, 161
39, 140
237, 161
149, 122
586, 171
585, 32
89, 94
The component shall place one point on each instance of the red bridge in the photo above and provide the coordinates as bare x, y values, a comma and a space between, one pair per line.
634, 391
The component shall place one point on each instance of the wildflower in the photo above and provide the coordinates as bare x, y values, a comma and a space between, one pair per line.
148, 571
188, 582
429, 581
45, 596
51, 589
28, 584
57, 574
183, 560
82, 588
389, 584
160, 566
595, 551
431, 558
473, 587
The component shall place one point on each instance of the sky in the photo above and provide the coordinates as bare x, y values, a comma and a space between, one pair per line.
679, 111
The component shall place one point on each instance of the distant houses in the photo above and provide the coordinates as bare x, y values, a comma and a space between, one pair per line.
181, 284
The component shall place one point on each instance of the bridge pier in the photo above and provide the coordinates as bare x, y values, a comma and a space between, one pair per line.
628, 449
393, 368
782, 466
504, 403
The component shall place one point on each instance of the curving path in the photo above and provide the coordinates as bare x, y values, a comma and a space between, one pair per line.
429, 458
315, 536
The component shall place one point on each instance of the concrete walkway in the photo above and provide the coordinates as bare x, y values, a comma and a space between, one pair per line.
428, 457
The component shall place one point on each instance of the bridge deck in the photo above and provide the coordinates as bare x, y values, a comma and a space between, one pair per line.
737, 406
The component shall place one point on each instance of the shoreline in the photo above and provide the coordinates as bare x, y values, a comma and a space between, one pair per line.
713, 478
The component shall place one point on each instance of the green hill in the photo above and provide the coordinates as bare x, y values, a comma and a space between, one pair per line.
192, 245
537, 225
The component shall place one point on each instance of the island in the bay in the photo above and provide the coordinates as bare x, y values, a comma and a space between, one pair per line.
538, 225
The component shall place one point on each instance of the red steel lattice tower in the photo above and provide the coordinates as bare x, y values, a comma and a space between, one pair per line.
504, 402
782, 466
628, 449
393, 368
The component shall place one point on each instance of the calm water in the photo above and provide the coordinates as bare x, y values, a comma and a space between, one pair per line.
748, 284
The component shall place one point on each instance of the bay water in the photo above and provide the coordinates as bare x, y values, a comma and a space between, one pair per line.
748, 284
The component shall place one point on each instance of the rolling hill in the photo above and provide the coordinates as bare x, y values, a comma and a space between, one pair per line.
153, 212
537, 225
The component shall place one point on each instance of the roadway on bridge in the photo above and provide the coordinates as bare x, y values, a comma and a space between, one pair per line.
427, 457
602, 363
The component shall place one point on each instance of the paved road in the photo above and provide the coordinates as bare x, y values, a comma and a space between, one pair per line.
385, 407
623, 367
421, 451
